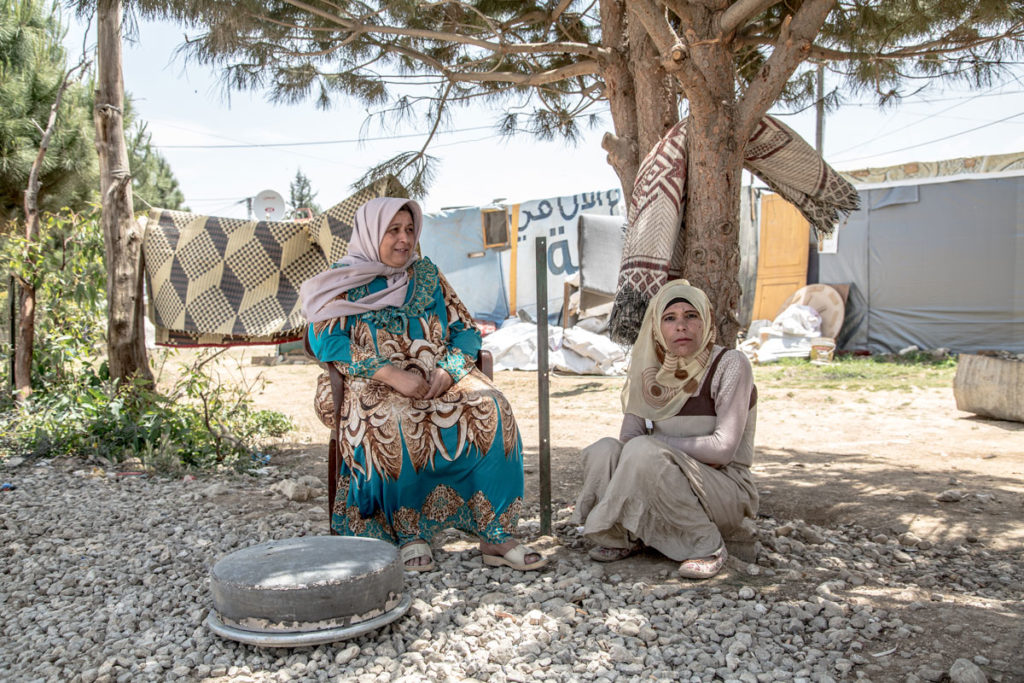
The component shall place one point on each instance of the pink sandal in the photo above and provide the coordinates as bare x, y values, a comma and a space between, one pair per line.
704, 567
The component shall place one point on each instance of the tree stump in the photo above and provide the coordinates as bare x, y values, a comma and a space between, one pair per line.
990, 386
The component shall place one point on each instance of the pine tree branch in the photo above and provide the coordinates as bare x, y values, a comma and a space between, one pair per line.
791, 48
944, 45
653, 21
356, 25
741, 11
586, 68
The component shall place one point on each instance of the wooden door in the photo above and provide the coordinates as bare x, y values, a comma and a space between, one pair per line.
781, 255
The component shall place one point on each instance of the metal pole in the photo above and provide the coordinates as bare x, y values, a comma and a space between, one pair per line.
543, 411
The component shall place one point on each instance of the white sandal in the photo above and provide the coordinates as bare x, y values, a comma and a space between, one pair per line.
515, 558
413, 550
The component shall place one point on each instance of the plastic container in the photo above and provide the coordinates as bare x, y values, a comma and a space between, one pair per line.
822, 349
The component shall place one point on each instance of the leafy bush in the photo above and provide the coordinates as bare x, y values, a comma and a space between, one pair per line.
76, 409
65, 265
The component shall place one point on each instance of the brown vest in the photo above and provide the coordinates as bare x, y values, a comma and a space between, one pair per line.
702, 403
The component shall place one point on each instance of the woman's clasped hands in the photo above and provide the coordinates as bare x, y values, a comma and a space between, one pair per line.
413, 385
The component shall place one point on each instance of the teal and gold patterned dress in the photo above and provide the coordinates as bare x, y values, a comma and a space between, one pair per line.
412, 467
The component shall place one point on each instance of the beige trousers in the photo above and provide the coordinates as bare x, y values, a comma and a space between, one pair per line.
650, 492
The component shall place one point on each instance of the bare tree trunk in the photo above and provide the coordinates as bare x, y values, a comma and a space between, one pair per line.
711, 248
26, 338
714, 176
623, 145
126, 342
27, 298
657, 102
643, 101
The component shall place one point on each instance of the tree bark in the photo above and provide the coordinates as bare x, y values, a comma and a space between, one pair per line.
657, 102
622, 145
126, 343
714, 175
25, 344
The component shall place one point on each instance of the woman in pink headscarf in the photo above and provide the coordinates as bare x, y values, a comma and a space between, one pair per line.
426, 440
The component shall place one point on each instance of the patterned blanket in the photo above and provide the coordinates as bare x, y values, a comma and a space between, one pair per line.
653, 250
226, 281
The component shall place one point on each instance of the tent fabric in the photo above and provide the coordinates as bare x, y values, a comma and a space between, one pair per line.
454, 241
944, 271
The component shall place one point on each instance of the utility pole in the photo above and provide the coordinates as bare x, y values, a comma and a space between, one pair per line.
813, 270
819, 122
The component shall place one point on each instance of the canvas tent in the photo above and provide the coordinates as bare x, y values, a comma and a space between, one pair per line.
933, 261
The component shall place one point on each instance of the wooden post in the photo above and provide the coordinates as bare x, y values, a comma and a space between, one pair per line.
543, 409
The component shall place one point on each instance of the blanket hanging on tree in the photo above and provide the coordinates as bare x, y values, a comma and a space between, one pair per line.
227, 281
652, 252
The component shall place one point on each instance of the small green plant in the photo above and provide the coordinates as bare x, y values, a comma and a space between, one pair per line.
201, 423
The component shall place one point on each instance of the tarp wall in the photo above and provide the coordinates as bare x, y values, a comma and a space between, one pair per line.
448, 238
933, 264
556, 219
454, 240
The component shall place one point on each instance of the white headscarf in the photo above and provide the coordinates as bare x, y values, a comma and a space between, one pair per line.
361, 265
659, 382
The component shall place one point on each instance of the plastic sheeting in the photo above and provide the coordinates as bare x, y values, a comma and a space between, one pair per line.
454, 241
574, 350
938, 265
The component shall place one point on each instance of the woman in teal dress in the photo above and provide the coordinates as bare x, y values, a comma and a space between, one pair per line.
427, 442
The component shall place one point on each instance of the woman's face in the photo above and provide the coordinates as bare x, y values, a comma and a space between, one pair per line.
399, 240
682, 329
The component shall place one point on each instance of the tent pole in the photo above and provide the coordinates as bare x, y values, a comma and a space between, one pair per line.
543, 410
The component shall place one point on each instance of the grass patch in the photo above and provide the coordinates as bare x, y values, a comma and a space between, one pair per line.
859, 373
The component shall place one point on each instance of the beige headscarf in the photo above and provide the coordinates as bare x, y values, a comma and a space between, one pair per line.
361, 265
658, 382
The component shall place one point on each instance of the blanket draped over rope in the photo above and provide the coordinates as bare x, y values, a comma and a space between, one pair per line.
227, 281
652, 252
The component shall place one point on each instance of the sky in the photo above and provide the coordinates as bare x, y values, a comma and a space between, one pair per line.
217, 145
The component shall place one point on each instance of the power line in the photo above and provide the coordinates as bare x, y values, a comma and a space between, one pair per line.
941, 139
917, 122
317, 142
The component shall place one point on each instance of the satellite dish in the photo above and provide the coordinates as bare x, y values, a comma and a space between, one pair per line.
268, 206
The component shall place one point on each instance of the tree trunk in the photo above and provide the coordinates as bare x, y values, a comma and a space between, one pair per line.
657, 102
643, 101
711, 247
126, 342
26, 337
27, 299
623, 145
714, 176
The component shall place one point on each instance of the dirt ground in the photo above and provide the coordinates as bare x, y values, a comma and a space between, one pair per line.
877, 459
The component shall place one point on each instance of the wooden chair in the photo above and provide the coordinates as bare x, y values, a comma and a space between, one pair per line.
484, 362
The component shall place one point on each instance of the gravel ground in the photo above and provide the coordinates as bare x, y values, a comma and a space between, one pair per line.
105, 578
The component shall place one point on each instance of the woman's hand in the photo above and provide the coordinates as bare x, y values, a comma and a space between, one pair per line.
404, 382
440, 382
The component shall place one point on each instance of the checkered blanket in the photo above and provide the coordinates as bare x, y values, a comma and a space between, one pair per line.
226, 281
653, 250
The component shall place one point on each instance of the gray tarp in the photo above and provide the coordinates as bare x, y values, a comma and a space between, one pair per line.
936, 263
